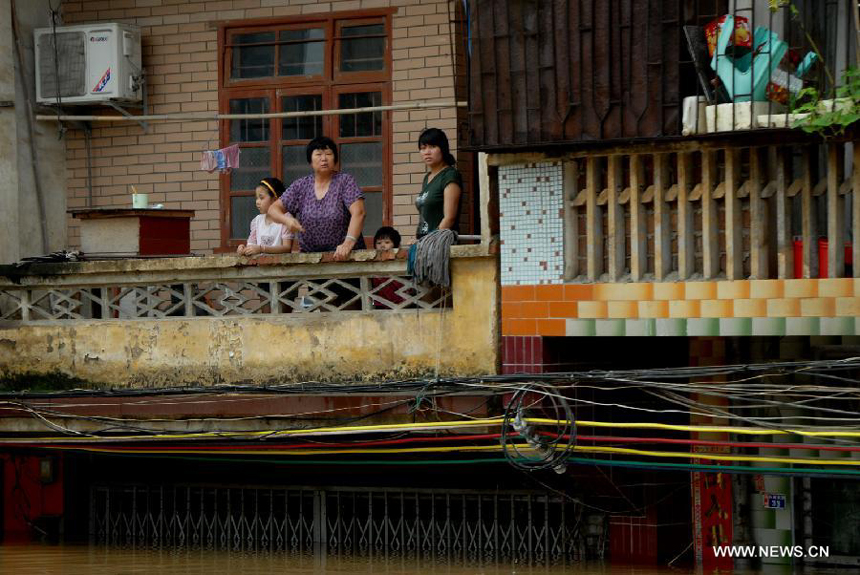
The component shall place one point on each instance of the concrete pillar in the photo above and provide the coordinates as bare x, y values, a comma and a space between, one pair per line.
20, 163
712, 492
8, 139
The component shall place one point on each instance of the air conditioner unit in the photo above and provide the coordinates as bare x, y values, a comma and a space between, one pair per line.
91, 64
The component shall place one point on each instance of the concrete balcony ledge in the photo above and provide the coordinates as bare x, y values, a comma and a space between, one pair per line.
286, 264
204, 320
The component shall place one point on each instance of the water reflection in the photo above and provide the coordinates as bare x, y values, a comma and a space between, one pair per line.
66, 560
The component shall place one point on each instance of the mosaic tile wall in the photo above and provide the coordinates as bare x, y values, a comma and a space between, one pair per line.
696, 308
530, 215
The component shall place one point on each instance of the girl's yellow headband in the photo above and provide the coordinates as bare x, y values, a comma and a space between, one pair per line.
271, 189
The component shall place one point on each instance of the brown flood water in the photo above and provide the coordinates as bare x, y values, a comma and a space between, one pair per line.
70, 560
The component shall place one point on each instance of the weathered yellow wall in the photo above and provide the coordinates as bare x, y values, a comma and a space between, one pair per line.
318, 346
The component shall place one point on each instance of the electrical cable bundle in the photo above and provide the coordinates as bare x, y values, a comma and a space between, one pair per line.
546, 450
533, 422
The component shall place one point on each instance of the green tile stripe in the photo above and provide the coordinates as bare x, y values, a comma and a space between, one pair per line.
710, 327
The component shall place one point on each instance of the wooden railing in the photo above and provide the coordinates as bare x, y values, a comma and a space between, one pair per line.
686, 210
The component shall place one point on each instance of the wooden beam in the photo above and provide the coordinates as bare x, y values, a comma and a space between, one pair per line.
758, 219
615, 221
734, 221
570, 176
810, 238
784, 239
710, 216
835, 213
593, 219
662, 219
686, 250
638, 249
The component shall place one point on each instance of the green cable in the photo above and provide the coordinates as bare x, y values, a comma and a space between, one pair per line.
578, 460
721, 468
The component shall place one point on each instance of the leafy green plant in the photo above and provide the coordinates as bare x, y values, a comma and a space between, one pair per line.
829, 117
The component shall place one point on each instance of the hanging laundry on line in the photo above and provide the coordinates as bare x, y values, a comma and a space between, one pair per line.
223, 160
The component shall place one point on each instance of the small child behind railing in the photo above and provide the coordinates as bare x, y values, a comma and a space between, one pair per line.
386, 239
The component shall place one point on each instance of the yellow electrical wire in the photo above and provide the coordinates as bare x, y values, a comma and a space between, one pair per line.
470, 448
427, 426
700, 428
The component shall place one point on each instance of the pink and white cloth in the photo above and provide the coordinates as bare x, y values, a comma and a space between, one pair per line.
223, 160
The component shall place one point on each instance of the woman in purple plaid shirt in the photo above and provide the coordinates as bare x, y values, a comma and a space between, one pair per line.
328, 206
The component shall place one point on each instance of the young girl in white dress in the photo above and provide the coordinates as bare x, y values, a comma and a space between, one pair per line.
267, 236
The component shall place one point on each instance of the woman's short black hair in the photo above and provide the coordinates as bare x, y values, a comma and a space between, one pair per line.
387, 232
273, 186
436, 137
321, 143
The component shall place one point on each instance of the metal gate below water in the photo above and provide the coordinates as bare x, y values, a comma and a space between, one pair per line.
464, 526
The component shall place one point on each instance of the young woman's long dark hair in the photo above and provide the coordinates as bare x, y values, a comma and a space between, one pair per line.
436, 137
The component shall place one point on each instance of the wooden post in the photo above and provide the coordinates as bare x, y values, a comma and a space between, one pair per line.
734, 222
758, 220
855, 210
571, 221
784, 239
662, 219
710, 223
835, 213
638, 250
810, 241
686, 250
593, 219
615, 220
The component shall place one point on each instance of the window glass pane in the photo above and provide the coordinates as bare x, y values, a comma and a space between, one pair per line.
253, 61
373, 210
295, 163
256, 165
363, 161
305, 128
242, 210
249, 130
299, 56
363, 48
364, 123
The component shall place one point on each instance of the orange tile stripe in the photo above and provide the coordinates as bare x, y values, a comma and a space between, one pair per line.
543, 309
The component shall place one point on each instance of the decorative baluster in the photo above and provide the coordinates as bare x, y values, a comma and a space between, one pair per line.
615, 220
365, 287
835, 213
274, 297
710, 224
810, 252
855, 209
686, 249
758, 219
638, 249
593, 219
784, 240
571, 221
25, 305
734, 223
662, 219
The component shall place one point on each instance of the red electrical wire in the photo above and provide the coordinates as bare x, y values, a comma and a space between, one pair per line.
666, 440
485, 436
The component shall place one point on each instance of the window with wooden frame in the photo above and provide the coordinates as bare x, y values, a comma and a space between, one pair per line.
320, 62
